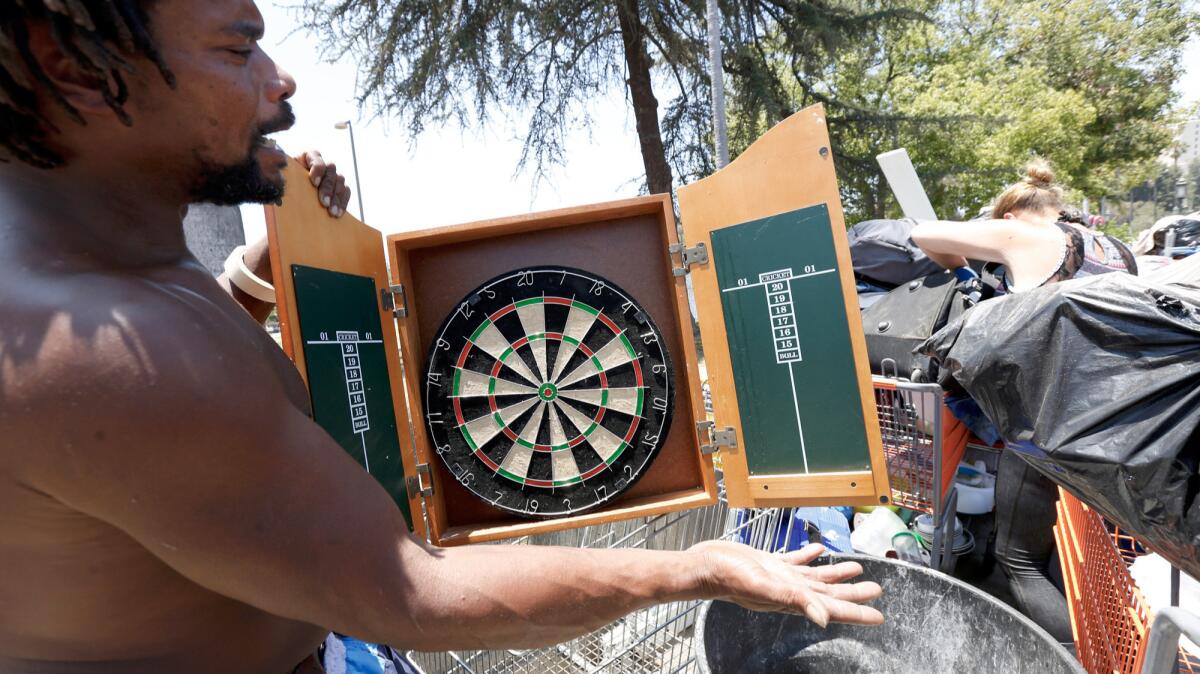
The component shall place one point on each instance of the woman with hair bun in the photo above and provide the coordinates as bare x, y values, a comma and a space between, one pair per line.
1039, 242
1031, 233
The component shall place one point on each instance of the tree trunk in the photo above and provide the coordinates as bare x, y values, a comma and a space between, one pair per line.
641, 92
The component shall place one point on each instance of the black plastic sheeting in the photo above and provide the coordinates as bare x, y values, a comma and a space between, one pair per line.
1096, 382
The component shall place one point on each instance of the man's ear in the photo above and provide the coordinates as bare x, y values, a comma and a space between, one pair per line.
1009, 216
83, 90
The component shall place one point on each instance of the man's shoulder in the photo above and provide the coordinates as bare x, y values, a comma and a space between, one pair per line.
144, 361
165, 331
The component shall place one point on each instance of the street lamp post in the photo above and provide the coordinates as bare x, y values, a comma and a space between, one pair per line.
1181, 196
354, 157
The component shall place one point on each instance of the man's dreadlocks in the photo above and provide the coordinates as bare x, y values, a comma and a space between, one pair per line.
97, 35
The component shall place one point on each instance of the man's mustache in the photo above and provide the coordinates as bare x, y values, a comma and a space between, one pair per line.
281, 122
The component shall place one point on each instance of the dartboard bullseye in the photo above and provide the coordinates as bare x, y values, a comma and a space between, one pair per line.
548, 391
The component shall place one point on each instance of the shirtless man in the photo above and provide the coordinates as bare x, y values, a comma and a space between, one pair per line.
166, 503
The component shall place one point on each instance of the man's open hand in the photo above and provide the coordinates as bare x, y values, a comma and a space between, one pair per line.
784, 582
331, 185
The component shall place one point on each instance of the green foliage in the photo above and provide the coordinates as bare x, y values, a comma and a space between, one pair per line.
972, 88
432, 64
543, 63
990, 83
1119, 230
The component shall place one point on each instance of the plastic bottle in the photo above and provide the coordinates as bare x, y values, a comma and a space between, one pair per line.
907, 548
874, 535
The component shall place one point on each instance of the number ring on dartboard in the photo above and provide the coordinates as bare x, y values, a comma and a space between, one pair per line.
548, 391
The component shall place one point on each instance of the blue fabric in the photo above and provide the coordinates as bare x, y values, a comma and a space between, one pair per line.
833, 524
965, 274
829, 524
966, 410
347, 655
362, 659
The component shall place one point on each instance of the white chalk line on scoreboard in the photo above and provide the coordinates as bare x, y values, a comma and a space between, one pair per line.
345, 341
790, 278
363, 436
799, 425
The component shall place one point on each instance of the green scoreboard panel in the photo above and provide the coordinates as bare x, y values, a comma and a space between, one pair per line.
790, 346
348, 371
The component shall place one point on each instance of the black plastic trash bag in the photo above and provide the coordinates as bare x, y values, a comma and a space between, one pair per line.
1187, 235
1096, 382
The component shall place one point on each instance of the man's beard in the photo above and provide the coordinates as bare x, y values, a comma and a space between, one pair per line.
244, 182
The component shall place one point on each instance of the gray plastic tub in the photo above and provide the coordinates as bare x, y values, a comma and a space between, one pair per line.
934, 625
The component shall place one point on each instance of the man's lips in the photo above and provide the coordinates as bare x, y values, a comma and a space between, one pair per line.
281, 122
272, 147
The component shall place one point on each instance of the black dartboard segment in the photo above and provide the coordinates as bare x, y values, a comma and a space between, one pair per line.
548, 391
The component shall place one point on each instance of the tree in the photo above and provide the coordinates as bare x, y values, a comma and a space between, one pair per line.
986, 84
432, 63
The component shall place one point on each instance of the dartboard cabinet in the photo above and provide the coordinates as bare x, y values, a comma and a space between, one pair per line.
534, 373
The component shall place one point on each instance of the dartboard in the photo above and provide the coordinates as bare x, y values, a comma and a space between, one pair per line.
548, 391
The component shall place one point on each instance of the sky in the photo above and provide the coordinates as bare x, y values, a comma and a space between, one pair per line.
447, 176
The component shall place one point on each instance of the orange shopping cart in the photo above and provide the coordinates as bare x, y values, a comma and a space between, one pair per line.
1114, 629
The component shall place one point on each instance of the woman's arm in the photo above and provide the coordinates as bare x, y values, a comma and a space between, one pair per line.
1029, 251
950, 243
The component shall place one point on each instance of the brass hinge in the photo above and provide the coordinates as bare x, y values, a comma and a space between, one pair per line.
713, 438
416, 485
393, 300
689, 256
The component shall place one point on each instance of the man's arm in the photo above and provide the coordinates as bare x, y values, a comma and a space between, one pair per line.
183, 438
333, 193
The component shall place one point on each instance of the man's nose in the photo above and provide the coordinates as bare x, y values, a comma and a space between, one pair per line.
282, 86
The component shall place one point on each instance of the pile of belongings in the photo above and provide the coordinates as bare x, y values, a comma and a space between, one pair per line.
1096, 381
905, 297
1153, 241
884, 257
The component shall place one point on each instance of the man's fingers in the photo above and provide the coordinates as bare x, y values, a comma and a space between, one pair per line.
854, 614
341, 196
833, 573
852, 592
328, 184
315, 163
804, 555
816, 610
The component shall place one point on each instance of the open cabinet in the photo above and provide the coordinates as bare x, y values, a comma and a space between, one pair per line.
540, 372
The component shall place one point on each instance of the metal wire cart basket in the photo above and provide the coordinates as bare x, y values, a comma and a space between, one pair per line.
657, 639
1109, 616
923, 445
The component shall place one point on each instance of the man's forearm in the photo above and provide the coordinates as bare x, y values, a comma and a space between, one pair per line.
525, 596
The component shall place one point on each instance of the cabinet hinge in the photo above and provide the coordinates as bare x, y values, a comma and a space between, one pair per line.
689, 256
393, 300
713, 438
416, 484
